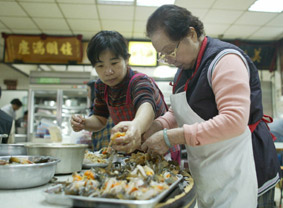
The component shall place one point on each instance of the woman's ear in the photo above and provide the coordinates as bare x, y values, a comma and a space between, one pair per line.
193, 34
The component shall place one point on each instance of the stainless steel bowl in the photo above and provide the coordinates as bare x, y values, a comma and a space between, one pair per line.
12, 149
71, 155
17, 176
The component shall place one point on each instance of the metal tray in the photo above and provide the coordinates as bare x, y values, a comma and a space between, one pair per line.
81, 201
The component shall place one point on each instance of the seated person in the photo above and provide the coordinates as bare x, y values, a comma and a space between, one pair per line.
22, 123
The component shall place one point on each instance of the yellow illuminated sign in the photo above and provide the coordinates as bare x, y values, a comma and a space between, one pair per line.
142, 53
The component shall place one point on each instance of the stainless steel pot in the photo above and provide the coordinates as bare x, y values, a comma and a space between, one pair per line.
17, 176
71, 155
12, 149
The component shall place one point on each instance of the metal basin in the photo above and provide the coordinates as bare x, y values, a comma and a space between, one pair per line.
18, 176
12, 149
71, 155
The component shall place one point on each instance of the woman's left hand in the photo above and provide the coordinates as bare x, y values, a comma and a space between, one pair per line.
131, 141
155, 143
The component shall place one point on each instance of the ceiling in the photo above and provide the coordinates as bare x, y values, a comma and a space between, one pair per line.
224, 19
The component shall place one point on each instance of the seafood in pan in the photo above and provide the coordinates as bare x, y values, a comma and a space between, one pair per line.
142, 177
113, 138
94, 157
16, 160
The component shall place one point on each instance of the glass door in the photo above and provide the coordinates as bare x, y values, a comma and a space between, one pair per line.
43, 111
74, 101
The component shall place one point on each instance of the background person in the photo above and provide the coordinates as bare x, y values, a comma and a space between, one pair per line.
22, 123
131, 99
216, 98
11, 108
6, 123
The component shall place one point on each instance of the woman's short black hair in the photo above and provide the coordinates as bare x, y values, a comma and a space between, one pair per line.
110, 40
17, 102
175, 21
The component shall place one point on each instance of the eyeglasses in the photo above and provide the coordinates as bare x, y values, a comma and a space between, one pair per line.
162, 57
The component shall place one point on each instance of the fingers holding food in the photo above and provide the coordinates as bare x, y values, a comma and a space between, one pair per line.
77, 122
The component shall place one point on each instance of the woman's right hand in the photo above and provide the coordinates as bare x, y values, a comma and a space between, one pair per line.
155, 127
77, 122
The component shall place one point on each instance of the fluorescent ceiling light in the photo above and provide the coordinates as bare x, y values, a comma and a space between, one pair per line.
154, 3
119, 2
267, 6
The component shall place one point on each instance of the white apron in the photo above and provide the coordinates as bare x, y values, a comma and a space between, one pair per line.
224, 172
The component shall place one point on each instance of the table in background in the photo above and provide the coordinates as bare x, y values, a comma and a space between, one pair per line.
278, 146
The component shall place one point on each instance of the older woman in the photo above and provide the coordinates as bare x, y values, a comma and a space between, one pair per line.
216, 98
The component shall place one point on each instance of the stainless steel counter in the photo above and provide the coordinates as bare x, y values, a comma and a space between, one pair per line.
28, 198
19, 138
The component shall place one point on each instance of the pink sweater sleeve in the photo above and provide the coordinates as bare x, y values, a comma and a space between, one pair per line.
230, 84
168, 120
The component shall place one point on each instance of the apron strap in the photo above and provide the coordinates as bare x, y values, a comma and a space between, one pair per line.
199, 58
128, 97
266, 119
106, 94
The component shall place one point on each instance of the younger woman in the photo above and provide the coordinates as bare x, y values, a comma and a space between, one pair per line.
131, 99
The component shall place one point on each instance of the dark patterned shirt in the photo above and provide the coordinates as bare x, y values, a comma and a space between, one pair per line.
142, 90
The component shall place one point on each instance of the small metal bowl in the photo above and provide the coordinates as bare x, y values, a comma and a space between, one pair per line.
12, 149
18, 176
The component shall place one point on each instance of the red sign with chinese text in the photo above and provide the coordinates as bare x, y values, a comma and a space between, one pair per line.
42, 49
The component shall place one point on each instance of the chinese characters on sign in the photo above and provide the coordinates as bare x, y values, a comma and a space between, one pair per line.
42, 49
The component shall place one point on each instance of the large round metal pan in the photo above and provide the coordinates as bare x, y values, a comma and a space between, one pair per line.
18, 176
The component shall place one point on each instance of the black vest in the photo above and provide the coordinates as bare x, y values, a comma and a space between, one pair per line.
201, 99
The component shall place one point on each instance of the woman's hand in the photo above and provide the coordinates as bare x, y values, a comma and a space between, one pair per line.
131, 141
155, 144
77, 122
155, 127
